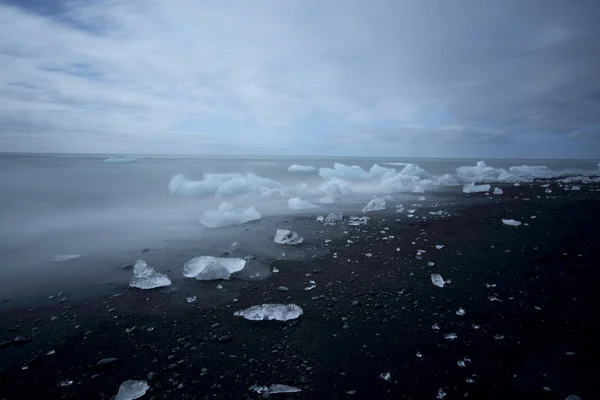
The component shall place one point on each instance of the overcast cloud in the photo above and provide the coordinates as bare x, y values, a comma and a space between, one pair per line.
478, 78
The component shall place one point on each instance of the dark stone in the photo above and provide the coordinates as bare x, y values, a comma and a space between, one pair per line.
107, 362
225, 338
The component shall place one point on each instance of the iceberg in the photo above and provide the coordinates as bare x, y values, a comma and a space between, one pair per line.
333, 189
274, 389
410, 179
284, 236
511, 222
376, 204
65, 257
207, 268
228, 215
182, 186
382, 172
302, 169
246, 184
472, 188
120, 160
345, 172
223, 185
498, 191
296, 203
269, 312
130, 390
145, 277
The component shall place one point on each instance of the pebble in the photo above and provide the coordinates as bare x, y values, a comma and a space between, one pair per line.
283, 288
152, 376
126, 266
225, 338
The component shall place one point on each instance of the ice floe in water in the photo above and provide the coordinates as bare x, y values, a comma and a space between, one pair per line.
274, 389
120, 160
284, 236
228, 215
65, 257
145, 277
376, 204
207, 268
345, 172
269, 312
303, 169
130, 390
223, 185
296, 203
511, 222
437, 280
472, 188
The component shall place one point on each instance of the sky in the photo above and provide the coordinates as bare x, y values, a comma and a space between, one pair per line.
422, 78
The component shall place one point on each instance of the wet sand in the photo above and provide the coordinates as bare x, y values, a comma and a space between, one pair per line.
366, 316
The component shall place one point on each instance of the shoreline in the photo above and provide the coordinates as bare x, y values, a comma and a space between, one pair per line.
387, 302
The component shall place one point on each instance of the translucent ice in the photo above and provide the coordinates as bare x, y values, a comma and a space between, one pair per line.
269, 312
437, 280
348, 173
376, 204
511, 222
333, 189
357, 221
382, 172
296, 203
130, 390
274, 389
284, 236
207, 268
302, 168
228, 215
223, 185
145, 277
333, 217
410, 179
498, 191
472, 188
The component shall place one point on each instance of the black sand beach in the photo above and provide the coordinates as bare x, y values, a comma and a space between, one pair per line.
529, 329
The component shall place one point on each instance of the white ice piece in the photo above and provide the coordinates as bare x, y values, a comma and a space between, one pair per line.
284, 236
411, 178
145, 277
450, 336
130, 390
348, 173
498, 191
333, 189
333, 217
386, 376
302, 169
296, 203
377, 204
269, 312
460, 311
207, 268
382, 172
439, 246
235, 246
228, 215
441, 394
472, 188
511, 222
274, 389
120, 160
65, 257
357, 221
437, 280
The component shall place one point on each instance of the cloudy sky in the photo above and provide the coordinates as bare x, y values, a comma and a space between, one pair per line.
464, 78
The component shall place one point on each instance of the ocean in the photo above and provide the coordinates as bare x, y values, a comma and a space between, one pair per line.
107, 212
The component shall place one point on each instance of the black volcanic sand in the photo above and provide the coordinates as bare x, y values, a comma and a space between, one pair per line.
367, 316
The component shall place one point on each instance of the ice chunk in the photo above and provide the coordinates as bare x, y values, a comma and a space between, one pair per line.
333, 217
348, 173
472, 188
296, 203
223, 185
437, 280
441, 394
482, 173
333, 189
245, 184
207, 268
320, 218
145, 277
181, 185
498, 191
284, 236
303, 169
269, 312
274, 389
120, 160
450, 336
228, 215
130, 390
460, 311
382, 172
65, 257
548, 190
376, 204
439, 246
410, 179
510, 222
357, 221
575, 187
386, 376
235, 246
